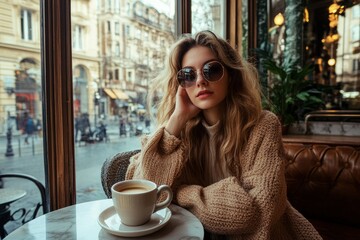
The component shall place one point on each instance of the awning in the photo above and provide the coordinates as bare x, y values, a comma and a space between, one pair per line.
27, 96
120, 94
110, 93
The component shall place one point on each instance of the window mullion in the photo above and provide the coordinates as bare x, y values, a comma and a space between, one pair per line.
57, 92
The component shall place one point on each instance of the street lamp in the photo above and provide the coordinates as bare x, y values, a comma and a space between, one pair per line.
9, 151
96, 105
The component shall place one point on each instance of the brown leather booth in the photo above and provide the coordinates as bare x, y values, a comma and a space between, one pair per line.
323, 179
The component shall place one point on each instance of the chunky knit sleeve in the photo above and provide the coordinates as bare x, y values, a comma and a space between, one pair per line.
251, 203
160, 160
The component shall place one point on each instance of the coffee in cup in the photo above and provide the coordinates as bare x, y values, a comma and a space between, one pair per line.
136, 200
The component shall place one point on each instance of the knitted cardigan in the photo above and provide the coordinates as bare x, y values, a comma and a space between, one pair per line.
250, 206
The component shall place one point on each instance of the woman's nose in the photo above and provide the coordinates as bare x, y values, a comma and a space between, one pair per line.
200, 80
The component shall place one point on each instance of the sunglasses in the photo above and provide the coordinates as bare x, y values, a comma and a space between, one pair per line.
212, 71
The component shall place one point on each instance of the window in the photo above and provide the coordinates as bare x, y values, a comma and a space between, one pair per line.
117, 49
26, 25
128, 9
356, 65
78, 37
117, 74
117, 6
209, 16
117, 28
356, 11
21, 99
77, 78
109, 26
355, 33
109, 5
127, 31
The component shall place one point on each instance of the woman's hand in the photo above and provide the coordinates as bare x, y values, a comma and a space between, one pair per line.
184, 111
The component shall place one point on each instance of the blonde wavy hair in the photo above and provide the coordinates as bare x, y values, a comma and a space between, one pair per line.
242, 104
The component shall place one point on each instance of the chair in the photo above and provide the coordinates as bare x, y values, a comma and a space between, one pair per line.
24, 213
114, 169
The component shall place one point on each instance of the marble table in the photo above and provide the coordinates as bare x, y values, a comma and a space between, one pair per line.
80, 221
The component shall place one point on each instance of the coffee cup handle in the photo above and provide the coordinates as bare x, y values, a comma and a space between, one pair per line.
167, 201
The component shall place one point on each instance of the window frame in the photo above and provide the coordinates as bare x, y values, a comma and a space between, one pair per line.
57, 89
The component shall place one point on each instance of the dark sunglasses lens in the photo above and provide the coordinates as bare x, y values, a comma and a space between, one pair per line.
213, 71
186, 77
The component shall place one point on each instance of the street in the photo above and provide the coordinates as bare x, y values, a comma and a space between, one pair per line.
89, 159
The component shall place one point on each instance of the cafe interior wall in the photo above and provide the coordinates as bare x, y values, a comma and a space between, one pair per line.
326, 36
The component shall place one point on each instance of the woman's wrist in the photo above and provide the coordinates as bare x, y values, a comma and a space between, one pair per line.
175, 125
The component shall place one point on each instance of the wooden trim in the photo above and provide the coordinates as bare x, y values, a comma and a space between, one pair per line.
183, 12
234, 23
323, 139
57, 94
252, 29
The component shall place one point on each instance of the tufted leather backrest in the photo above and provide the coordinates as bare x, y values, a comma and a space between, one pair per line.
324, 181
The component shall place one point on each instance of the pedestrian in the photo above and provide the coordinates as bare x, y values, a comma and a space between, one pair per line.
122, 126
38, 127
220, 152
85, 128
77, 126
30, 128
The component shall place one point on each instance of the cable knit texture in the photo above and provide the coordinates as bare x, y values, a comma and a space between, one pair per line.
250, 206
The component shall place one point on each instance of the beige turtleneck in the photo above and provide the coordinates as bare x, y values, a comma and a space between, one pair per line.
215, 169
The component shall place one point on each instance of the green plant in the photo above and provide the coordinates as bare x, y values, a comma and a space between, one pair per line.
289, 94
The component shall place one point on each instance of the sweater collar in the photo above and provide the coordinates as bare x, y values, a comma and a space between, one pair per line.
212, 130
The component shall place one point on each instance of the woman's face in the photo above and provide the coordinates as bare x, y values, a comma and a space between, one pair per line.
205, 95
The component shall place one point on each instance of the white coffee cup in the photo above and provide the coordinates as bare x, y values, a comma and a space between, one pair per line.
136, 200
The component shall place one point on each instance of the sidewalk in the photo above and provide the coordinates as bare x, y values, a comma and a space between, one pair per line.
35, 146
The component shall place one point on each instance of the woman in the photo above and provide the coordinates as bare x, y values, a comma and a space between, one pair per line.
218, 150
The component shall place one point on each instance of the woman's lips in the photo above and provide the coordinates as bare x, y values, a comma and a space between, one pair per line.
204, 93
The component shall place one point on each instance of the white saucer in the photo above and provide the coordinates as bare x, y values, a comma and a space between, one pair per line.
110, 221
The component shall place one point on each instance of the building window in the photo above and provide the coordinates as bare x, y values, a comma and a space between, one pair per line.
355, 33
116, 74
127, 30
117, 28
117, 6
78, 37
356, 11
356, 65
26, 25
109, 5
208, 16
109, 26
128, 9
117, 49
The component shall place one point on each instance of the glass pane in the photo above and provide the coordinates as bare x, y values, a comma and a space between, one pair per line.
347, 55
208, 15
332, 44
21, 113
118, 46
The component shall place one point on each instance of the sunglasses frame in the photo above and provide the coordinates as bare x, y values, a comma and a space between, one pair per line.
192, 82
